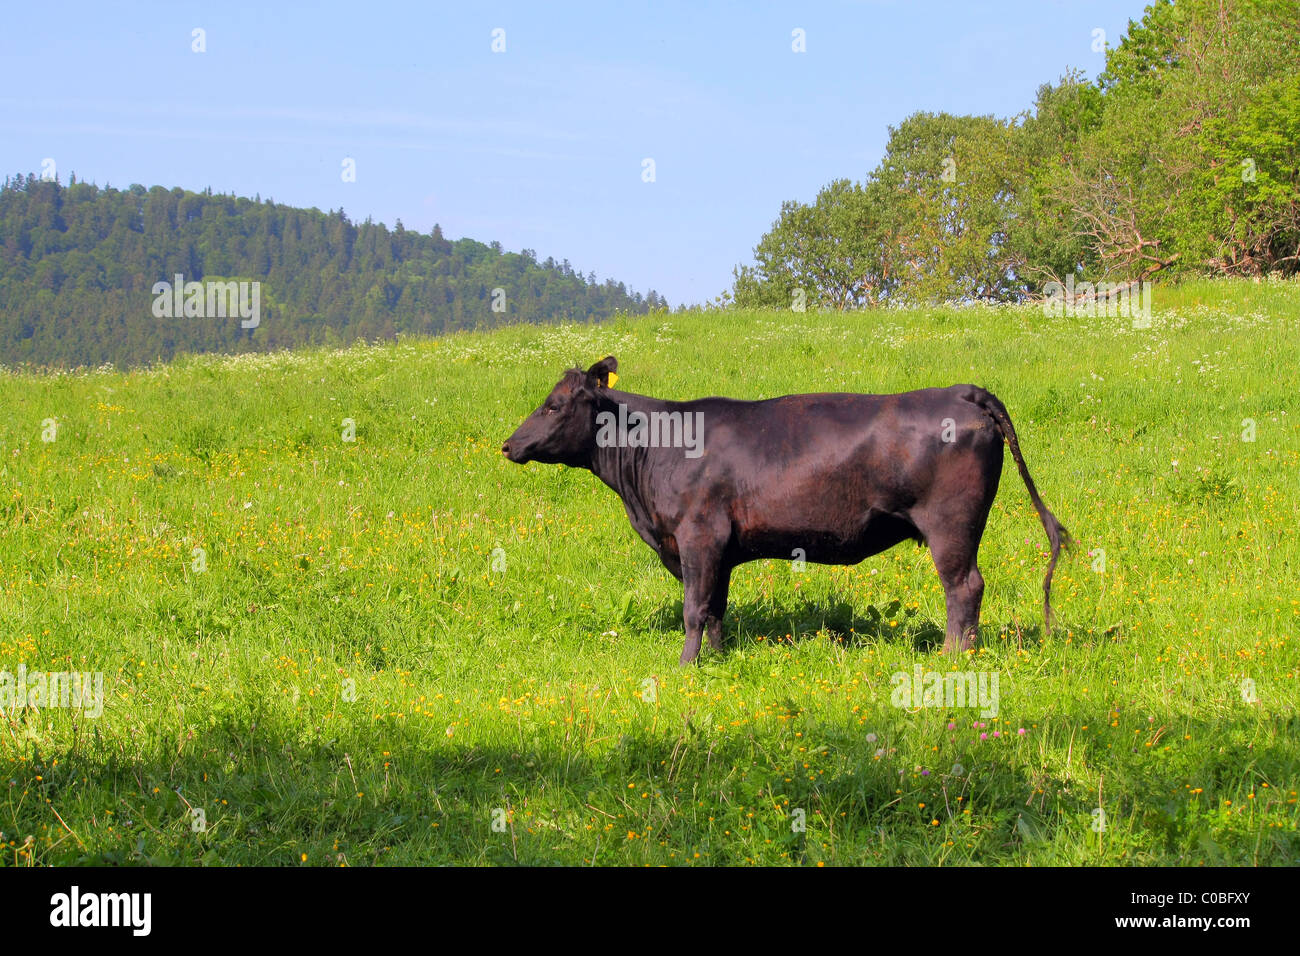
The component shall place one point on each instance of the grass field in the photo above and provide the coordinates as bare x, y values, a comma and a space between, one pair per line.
403, 649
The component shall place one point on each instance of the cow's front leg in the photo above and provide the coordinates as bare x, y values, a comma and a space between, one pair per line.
718, 608
695, 607
701, 549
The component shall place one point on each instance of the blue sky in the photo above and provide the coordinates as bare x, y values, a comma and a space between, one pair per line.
540, 146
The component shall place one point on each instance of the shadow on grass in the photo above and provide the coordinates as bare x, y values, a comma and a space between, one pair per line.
272, 789
703, 794
761, 622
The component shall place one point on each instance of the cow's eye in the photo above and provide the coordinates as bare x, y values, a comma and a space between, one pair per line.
549, 409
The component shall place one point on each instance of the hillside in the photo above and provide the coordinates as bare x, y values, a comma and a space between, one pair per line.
333, 618
78, 267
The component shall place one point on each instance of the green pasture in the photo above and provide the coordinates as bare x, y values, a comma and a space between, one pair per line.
335, 626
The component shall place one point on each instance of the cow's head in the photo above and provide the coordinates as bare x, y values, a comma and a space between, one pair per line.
563, 430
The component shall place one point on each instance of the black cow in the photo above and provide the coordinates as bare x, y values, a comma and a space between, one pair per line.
833, 478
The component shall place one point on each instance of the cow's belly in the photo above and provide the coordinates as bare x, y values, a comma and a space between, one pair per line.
828, 513
846, 542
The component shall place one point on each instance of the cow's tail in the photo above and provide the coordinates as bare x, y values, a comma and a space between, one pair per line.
1056, 533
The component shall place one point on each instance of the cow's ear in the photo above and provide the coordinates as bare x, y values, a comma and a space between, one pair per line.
603, 372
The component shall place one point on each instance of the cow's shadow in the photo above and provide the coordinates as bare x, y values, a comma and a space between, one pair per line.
760, 622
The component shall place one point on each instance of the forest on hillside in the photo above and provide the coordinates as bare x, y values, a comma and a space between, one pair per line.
1181, 159
79, 265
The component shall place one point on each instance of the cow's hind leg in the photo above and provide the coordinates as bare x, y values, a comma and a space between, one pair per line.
954, 542
952, 524
963, 591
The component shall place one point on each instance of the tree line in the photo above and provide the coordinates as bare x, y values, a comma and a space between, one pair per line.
79, 265
1182, 158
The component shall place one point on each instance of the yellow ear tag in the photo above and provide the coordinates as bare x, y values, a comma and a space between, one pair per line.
612, 379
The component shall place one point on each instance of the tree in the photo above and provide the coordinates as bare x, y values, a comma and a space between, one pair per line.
1181, 158
814, 256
